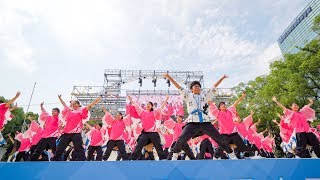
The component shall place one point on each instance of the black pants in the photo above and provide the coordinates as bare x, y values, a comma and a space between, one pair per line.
303, 139
233, 138
148, 155
7, 153
186, 148
270, 155
24, 155
263, 153
65, 139
91, 150
191, 129
143, 139
289, 155
44, 143
121, 146
66, 154
251, 149
119, 157
205, 146
166, 152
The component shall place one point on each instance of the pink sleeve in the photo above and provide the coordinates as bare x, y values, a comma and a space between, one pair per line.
169, 124
43, 118
108, 119
232, 109
133, 112
138, 129
127, 108
309, 113
19, 137
180, 111
287, 114
253, 127
65, 111
157, 114
44, 115
84, 113
34, 126
138, 108
127, 120
214, 110
234, 112
170, 110
248, 121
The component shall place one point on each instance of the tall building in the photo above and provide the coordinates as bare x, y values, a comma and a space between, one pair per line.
299, 32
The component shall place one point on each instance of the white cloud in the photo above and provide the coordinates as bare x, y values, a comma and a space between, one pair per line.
15, 49
67, 43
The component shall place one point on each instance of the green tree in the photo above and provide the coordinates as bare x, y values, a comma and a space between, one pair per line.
316, 25
15, 124
292, 79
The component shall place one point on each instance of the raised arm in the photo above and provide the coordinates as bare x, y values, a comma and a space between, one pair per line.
255, 124
30, 118
165, 102
235, 104
42, 108
310, 102
62, 102
104, 109
167, 76
219, 81
214, 122
8, 104
279, 104
93, 103
10, 138
136, 106
88, 125
14, 107
276, 122
264, 131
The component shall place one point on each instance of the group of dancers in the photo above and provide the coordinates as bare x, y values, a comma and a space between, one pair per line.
153, 133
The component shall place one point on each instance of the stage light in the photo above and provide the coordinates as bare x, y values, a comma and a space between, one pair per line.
154, 81
140, 82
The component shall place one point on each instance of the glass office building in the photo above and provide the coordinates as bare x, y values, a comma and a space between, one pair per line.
299, 32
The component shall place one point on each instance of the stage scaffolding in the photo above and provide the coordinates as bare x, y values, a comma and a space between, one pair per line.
114, 100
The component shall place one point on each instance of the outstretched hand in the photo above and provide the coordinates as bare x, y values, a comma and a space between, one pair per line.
18, 94
166, 75
225, 76
104, 109
311, 101
167, 98
130, 98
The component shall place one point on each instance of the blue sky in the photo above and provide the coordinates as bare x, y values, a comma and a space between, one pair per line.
59, 44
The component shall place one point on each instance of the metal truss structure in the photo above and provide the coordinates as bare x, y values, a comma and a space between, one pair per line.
114, 101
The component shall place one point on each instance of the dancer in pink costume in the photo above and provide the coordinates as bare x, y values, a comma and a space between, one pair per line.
298, 119
73, 120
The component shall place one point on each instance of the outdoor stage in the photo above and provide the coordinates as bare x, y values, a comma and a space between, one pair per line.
204, 169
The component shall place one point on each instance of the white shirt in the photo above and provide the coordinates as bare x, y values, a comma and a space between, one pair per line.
197, 102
